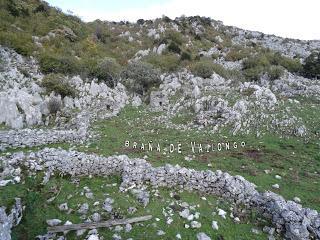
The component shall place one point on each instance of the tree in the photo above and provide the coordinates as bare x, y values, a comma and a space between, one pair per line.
139, 77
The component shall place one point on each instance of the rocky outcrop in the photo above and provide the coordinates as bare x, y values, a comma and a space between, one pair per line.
7, 222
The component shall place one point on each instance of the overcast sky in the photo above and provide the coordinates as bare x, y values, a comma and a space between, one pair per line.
287, 18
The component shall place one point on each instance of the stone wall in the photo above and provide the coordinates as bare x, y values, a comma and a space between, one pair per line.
289, 217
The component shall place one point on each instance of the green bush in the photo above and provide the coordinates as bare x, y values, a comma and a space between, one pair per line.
58, 83
254, 73
292, 65
50, 63
236, 55
268, 62
21, 43
205, 68
311, 67
139, 77
17, 8
174, 47
185, 56
166, 62
202, 69
275, 72
108, 70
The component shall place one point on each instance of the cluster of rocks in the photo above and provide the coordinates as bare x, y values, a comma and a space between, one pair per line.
24, 104
287, 216
7, 222
288, 47
64, 31
242, 107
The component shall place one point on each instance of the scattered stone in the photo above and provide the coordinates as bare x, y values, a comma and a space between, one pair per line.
195, 224
96, 217
63, 207
128, 227
214, 225
84, 208
160, 233
203, 236
255, 231
53, 222
222, 213
297, 200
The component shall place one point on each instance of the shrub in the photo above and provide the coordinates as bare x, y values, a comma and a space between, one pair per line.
292, 65
21, 43
140, 21
108, 70
17, 9
100, 34
139, 77
275, 72
185, 56
167, 62
254, 73
175, 37
311, 67
271, 63
43, 7
236, 55
205, 68
174, 47
58, 64
256, 61
58, 84
54, 105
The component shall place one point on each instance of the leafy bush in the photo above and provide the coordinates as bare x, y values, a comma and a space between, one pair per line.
205, 68
275, 72
101, 34
254, 73
108, 70
174, 47
167, 62
185, 56
17, 9
43, 7
292, 65
54, 105
271, 63
139, 77
236, 55
21, 43
58, 64
58, 84
311, 67
175, 37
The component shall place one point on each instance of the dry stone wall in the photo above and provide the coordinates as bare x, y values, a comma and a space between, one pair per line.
295, 221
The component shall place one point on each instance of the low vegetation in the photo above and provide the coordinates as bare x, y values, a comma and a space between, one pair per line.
139, 77
58, 84
269, 63
311, 68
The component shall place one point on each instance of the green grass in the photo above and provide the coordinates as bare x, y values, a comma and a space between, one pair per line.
37, 210
292, 158
296, 160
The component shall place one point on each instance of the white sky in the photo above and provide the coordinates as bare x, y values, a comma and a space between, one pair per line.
286, 18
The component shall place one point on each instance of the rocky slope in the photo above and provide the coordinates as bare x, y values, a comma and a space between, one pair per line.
249, 84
